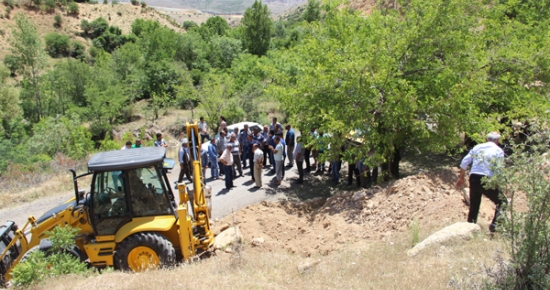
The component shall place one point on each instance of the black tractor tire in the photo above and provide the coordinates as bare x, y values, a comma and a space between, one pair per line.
163, 248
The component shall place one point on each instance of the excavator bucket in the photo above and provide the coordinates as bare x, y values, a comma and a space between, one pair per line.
8, 255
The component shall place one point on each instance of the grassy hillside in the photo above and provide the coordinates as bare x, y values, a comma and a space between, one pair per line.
120, 15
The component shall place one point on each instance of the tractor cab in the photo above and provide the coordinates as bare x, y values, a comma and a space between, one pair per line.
128, 184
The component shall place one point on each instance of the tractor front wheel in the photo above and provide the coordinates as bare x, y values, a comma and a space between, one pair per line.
143, 251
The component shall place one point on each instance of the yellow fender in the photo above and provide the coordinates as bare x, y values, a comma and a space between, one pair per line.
145, 224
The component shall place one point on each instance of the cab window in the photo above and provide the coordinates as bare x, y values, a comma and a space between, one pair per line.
148, 192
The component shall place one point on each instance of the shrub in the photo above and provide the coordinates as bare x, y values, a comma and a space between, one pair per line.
12, 63
119, 13
73, 9
8, 11
114, 2
143, 4
527, 231
10, 3
36, 2
57, 261
50, 5
134, 2
105, 2
58, 20
57, 44
77, 50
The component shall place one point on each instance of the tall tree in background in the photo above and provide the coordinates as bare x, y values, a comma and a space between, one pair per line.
313, 11
26, 47
258, 28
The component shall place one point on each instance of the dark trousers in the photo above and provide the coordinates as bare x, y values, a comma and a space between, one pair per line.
352, 170
204, 137
184, 170
245, 152
300, 165
476, 191
307, 155
237, 165
252, 170
228, 176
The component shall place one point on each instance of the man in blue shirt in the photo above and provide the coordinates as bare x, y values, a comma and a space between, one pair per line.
289, 141
213, 158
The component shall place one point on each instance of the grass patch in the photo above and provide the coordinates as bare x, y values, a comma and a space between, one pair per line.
364, 265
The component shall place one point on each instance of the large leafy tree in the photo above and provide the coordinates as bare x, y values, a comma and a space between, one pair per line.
26, 48
257, 29
398, 80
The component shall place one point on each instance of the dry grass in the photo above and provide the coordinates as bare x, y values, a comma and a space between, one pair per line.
365, 265
118, 15
20, 185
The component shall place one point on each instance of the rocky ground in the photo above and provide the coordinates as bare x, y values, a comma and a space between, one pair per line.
321, 226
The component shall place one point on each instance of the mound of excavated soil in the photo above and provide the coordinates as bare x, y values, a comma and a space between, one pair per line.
322, 226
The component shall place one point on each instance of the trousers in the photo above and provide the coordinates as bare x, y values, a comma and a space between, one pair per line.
477, 190
257, 174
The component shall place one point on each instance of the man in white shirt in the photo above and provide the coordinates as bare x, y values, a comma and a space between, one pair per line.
484, 158
227, 160
258, 164
203, 130
278, 156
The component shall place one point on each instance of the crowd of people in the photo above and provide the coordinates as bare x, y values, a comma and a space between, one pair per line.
270, 147
230, 154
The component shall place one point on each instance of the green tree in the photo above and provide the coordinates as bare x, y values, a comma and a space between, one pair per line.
57, 45
223, 50
9, 102
188, 25
313, 11
26, 47
214, 26
58, 20
398, 80
257, 29
213, 94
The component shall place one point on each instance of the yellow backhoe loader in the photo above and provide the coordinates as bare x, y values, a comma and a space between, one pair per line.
129, 219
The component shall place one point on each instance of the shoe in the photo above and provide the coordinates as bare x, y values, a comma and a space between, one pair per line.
492, 229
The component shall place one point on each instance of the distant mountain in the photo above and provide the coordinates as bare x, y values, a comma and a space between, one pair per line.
225, 6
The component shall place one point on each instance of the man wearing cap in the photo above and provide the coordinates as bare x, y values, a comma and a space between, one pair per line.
160, 142
484, 158
185, 164
227, 160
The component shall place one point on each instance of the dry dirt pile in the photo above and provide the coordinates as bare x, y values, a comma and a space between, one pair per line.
322, 226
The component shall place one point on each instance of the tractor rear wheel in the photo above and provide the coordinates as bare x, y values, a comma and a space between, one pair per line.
143, 251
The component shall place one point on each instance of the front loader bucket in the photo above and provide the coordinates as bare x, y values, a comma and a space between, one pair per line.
8, 255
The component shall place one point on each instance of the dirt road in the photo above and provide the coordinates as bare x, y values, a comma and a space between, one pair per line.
223, 201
